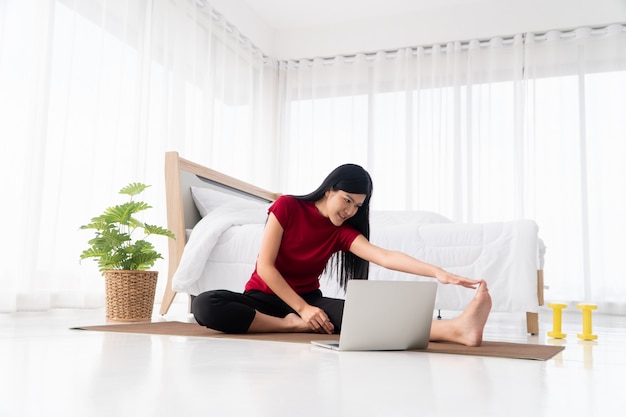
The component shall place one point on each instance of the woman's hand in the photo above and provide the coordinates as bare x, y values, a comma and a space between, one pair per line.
445, 277
317, 319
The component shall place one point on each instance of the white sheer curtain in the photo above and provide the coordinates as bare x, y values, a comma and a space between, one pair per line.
422, 120
92, 93
575, 126
527, 127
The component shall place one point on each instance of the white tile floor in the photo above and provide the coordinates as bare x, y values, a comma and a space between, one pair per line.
48, 370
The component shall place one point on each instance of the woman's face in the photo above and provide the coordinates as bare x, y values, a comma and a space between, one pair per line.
339, 205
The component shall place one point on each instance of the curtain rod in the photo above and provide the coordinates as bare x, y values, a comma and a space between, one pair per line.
230, 28
465, 44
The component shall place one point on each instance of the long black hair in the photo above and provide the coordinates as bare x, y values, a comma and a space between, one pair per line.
352, 179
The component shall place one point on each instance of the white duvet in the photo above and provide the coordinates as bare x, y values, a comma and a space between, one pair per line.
222, 249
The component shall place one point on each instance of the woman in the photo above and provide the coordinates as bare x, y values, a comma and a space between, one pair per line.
301, 235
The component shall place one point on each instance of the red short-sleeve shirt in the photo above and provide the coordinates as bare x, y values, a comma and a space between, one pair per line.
309, 240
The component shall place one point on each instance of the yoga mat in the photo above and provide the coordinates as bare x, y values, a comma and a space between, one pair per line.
177, 328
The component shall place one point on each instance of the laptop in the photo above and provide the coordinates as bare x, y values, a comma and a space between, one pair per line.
385, 315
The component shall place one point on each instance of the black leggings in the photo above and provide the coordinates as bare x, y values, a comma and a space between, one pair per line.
232, 312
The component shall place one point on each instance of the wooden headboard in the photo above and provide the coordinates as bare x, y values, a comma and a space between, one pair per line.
180, 175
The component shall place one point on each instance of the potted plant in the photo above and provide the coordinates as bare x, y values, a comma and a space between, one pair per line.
124, 259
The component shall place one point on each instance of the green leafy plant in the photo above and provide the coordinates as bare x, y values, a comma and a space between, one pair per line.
114, 246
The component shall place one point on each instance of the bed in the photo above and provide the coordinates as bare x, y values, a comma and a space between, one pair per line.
218, 222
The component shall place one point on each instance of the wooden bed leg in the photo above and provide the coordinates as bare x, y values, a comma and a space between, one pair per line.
191, 298
532, 319
168, 298
532, 323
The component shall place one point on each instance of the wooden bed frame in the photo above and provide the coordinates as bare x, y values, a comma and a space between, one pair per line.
180, 174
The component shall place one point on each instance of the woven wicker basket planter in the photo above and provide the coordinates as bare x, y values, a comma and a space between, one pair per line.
130, 294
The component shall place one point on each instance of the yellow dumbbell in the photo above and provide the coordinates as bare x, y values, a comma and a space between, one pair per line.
586, 334
557, 318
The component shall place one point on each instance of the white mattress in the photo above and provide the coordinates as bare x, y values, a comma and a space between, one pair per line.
222, 250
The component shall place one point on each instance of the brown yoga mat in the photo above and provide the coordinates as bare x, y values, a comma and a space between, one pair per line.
177, 328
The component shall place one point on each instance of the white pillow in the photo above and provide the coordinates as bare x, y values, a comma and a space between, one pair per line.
207, 200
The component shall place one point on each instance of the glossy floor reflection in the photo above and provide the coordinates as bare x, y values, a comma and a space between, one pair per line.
48, 370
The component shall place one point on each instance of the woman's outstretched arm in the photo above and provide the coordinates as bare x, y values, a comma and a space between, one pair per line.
402, 262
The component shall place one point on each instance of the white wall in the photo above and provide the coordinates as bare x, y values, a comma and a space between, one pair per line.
435, 24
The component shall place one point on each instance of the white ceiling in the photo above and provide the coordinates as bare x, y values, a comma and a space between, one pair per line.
289, 14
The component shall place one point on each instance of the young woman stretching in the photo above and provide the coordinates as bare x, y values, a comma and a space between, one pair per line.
301, 235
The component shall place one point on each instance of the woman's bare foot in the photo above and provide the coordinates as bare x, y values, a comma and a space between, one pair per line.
467, 328
295, 323
472, 321
264, 323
